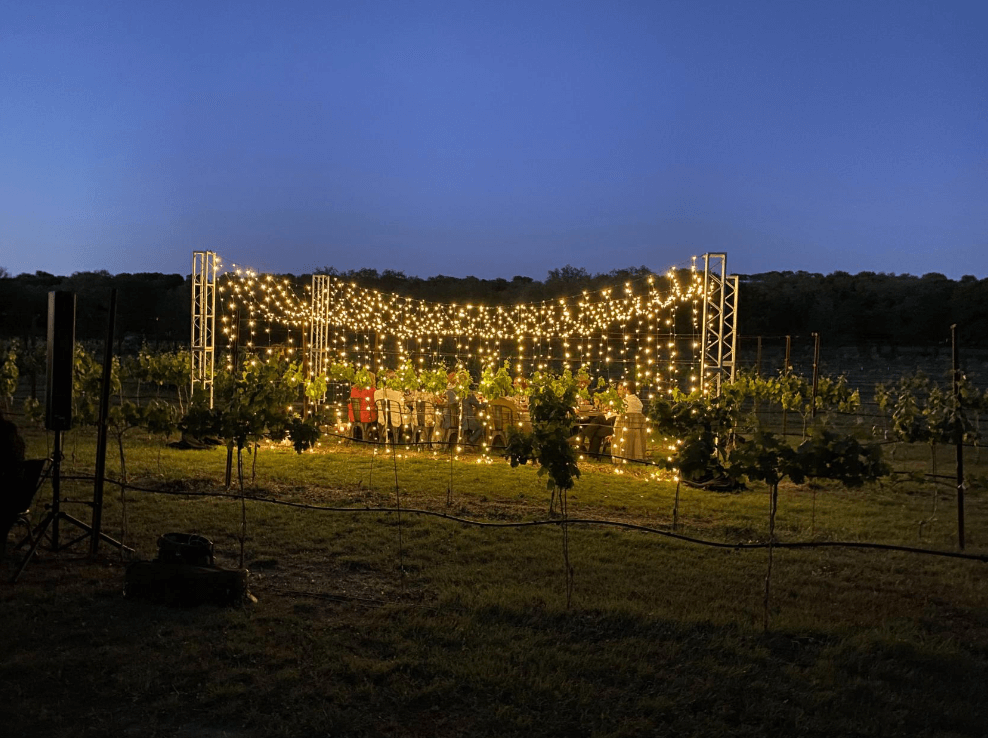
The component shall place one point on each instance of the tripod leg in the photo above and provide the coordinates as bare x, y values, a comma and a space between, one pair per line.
38, 537
103, 536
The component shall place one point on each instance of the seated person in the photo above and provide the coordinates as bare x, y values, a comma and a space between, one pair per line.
596, 429
472, 426
11, 449
599, 426
585, 395
629, 427
626, 390
422, 407
451, 403
11, 476
520, 396
586, 409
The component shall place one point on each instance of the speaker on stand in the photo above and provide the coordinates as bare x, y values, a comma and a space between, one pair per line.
58, 418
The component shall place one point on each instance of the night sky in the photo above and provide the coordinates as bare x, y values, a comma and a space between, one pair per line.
494, 139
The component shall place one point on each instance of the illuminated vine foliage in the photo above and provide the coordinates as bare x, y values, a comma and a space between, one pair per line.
551, 404
255, 402
9, 374
721, 437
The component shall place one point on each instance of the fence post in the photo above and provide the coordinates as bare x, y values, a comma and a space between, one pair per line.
104, 410
816, 371
785, 371
958, 436
758, 373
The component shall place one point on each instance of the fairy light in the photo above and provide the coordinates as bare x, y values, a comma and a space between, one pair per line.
618, 331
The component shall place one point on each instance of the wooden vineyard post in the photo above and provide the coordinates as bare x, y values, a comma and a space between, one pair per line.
758, 372
785, 371
958, 436
816, 372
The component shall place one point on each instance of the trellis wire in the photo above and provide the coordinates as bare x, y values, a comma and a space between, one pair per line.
751, 546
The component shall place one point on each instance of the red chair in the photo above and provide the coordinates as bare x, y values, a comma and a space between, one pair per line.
361, 412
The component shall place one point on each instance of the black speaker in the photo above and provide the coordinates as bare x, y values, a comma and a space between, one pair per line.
61, 349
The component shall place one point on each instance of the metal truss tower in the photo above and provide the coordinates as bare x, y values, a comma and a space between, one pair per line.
319, 325
204, 266
719, 340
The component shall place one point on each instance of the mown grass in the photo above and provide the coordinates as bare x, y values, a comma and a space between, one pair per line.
365, 626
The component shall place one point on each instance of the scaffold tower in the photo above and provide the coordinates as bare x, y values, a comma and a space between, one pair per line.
322, 302
719, 325
204, 267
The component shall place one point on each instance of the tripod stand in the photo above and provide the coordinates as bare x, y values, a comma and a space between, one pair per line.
50, 524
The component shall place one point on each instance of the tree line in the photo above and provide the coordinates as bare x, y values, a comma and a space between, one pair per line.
846, 309
151, 307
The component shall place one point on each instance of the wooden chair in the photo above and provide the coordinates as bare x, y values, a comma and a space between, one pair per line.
502, 415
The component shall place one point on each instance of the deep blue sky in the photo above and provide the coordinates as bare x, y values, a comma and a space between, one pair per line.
494, 139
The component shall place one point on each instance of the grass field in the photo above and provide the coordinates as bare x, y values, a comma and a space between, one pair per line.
371, 623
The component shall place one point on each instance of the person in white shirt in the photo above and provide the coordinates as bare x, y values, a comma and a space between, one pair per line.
626, 390
629, 427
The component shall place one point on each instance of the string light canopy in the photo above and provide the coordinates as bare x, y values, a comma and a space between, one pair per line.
647, 328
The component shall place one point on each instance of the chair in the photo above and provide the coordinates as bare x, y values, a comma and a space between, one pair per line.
380, 427
357, 415
397, 418
451, 424
17, 505
629, 437
424, 423
524, 421
502, 415
408, 421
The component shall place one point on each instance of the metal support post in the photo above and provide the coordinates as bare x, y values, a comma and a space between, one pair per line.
718, 332
204, 268
959, 436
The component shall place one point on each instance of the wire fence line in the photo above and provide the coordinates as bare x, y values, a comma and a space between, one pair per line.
863, 365
564, 523
594, 522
